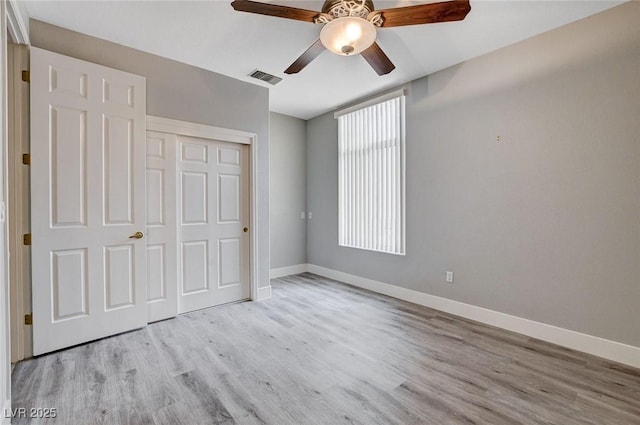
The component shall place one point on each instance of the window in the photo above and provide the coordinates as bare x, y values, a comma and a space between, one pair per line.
371, 180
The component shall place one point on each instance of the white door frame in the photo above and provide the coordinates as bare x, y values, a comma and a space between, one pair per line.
14, 22
19, 204
18, 196
183, 128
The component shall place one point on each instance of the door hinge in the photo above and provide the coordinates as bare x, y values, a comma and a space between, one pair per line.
26, 76
28, 319
26, 239
26, 158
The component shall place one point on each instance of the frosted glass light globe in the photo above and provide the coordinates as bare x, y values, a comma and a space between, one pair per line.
348, 35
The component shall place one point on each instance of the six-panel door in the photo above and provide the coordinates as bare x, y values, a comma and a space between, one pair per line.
213, 196
162, 255
87, 198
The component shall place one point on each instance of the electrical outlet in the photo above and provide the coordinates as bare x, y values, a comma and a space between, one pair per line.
310, 215
449, 277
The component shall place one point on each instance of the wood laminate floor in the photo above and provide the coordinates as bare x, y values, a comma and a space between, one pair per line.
321, 352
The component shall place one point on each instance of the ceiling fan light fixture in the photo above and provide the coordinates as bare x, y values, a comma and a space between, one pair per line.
348, 35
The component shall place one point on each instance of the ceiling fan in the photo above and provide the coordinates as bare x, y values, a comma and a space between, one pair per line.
349, 26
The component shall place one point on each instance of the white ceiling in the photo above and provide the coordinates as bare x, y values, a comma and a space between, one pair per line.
211, 35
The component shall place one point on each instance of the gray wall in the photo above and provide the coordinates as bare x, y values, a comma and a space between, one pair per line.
287, 194
180, 91
543, 224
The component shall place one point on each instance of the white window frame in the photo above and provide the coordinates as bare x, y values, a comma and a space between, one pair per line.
366, 207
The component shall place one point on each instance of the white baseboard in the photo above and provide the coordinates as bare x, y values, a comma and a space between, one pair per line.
5, 414
263, 293
286, 271
611, 350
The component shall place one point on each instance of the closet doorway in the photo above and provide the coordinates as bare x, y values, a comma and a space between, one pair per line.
198, 218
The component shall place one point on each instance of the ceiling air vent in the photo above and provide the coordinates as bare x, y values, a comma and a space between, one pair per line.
260, 75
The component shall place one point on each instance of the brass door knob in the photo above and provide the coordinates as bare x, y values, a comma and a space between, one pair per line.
246, 229
137, 235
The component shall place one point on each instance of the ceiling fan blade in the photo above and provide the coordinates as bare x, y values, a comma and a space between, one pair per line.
445, 11
378, 59
274, 10
305, 59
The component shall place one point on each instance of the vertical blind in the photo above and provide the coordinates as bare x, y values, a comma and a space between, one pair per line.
371, 177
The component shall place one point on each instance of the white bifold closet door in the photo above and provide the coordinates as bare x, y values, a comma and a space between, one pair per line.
87, 199
197, 213
213, 212
162, 254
